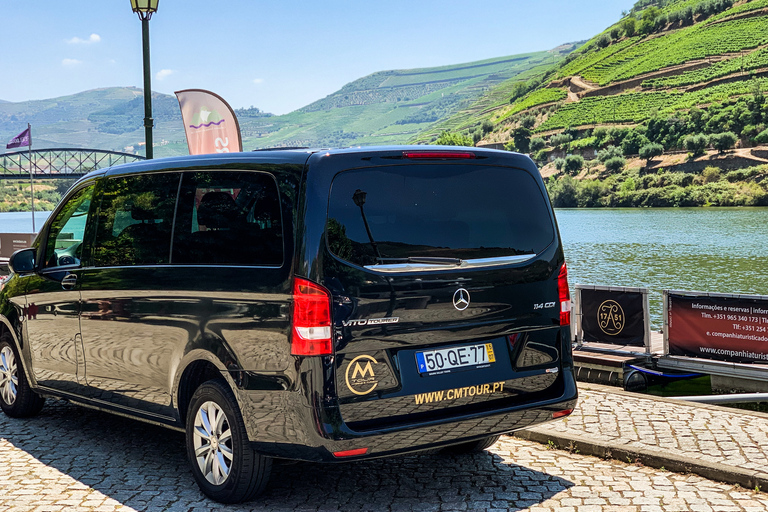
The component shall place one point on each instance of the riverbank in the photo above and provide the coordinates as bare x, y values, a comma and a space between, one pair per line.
15, 196
638, 187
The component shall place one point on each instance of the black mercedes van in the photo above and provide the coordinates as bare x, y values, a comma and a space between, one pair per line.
319, 305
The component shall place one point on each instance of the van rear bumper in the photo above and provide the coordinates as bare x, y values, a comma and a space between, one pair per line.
316, 433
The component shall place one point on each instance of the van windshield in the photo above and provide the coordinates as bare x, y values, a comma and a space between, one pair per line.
385, 215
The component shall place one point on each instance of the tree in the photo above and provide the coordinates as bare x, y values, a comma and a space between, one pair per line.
633, 142
522, 138
604, 40
454, 139
649, 151
537, 143
562, 192
628, 26
559, 140
696, 143
573, 164
762, 137
528, 121
723, 141
559, 163
615, 164
487, 127
609, 152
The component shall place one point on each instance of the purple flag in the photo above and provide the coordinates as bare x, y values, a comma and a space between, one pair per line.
20, 140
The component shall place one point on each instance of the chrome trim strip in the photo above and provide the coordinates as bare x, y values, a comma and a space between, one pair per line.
466, 264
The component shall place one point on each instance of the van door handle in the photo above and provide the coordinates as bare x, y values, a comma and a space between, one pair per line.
69, 282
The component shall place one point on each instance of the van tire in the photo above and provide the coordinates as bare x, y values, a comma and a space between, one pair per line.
215, 430
17, 399
472, 447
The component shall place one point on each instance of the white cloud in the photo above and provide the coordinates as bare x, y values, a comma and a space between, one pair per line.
258, 81
93, 38
163, 74
71, 62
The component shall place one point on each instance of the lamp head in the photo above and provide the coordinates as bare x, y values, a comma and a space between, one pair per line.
359, 197
144, 8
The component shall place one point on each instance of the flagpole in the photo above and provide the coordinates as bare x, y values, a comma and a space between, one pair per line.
31, 180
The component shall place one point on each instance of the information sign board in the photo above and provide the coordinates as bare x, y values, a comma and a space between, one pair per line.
724, 327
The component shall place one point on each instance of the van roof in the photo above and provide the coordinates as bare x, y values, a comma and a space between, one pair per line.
295, 156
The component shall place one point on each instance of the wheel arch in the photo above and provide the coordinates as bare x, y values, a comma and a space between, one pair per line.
198, 367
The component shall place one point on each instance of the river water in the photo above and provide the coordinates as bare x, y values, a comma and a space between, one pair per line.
703, 249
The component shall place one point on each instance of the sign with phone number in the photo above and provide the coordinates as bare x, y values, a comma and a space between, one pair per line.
726, 328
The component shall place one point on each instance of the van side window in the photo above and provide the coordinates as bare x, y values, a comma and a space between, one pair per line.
228, 218
135, 218
67, 230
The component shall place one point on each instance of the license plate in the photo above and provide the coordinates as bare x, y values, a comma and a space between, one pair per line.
447, 360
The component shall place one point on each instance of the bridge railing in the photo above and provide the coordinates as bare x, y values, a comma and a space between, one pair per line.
60, 161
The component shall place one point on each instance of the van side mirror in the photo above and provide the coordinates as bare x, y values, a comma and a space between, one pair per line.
22, 261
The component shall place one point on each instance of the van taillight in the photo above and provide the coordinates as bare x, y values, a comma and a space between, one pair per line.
565, 296
431, 155
311, 332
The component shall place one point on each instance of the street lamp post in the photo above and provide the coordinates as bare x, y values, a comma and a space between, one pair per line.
145, 9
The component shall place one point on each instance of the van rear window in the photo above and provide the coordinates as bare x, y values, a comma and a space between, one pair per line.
386, 214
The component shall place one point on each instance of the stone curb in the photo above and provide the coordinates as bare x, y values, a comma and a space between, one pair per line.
646, 456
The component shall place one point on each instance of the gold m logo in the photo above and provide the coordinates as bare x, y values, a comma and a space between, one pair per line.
363, 378
362, 372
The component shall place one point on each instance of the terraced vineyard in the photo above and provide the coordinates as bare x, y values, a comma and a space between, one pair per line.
538, 97
638, 106
744, 63
695, 42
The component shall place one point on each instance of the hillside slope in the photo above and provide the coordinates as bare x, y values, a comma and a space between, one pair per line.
387, 107
391, 107
668, 69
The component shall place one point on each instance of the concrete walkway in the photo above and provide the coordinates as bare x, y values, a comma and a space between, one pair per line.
718, 443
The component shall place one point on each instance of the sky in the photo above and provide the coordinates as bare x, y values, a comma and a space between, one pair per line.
277, 56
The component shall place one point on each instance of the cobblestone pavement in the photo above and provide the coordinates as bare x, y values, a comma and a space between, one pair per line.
70, 458
717, 439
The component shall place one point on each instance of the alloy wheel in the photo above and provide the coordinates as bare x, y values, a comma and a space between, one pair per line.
213, 443
9, 377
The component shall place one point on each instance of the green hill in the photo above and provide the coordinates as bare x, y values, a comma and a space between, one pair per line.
673, 86
391, 107
662, 59
388, 107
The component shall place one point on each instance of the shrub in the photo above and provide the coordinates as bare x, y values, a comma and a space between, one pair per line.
559, 140
762, 137
710, 174
528, 121
588, 193
536, 144
559, 164
615, 164
454, 139
562, 192
487, 127
609, 152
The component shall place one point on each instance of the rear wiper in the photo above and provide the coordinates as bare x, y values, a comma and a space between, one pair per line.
422, 259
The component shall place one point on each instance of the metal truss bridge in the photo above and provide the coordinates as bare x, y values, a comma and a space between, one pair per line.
60, 162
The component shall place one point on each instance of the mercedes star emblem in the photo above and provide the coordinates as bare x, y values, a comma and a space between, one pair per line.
461, 299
